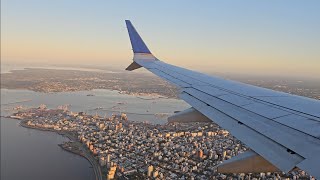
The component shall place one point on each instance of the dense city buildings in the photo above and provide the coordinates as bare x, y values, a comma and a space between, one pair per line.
134, 150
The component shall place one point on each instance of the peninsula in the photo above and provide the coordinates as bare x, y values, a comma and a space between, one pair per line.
119, 148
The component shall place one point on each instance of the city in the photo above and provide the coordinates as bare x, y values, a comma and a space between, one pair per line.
123, 149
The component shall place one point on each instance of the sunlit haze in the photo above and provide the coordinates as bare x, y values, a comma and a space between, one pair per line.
170, 89
245, 37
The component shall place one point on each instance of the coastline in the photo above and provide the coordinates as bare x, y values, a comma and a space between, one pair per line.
84, 152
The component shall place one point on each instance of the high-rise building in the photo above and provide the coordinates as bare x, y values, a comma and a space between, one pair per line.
112, 172
150, 169
224, 153
200, 154
161, 175
155, 174
101, 126
108, 158
123, 116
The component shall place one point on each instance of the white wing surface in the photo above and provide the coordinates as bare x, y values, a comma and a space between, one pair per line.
281, 129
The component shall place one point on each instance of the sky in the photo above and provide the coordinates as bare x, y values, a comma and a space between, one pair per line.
251, 37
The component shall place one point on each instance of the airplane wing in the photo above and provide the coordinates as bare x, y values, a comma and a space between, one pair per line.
283, 130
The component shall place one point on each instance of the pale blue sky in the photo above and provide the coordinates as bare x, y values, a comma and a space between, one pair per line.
272, 36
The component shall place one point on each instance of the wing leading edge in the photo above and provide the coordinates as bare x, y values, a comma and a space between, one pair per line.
281, 128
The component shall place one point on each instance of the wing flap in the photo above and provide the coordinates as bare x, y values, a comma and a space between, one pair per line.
268, 127
300, 104
300, 123
236, 100
266, 110
267, 148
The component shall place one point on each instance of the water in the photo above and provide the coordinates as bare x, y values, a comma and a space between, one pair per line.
34, 154
110, 101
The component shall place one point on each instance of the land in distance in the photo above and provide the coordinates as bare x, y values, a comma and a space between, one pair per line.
58, 80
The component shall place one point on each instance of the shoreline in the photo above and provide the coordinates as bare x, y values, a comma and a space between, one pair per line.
85, 154
151, 96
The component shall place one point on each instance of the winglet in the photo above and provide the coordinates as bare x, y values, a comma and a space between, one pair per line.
138, 46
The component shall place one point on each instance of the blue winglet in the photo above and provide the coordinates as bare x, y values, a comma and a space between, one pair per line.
137, 43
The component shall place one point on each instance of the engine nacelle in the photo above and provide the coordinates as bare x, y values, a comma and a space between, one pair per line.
247, 162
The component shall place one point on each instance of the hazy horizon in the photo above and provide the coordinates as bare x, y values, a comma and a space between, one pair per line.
274, 38
8, 66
